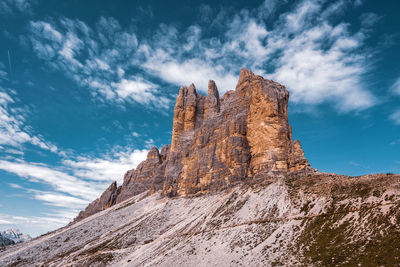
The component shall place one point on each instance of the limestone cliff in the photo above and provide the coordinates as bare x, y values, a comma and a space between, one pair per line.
217, 143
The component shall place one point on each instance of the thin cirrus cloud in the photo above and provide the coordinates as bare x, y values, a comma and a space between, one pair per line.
9, 7
13, 131
83, 178
317, 59
58, 180
95, 59
59, 200
396, 86
395, 117
74, 184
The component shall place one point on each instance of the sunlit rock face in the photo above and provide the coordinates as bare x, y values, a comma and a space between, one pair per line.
218, 142
244, 135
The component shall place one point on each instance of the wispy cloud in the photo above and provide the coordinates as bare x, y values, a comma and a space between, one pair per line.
3, 221
59, 200
59, 180
13, 131
95, 59
320, 62
107, 168
360, 165
395, 142
395, 117
396, 86
140, 91
319, 58
9, 7
16, 186
77, 181
3, 73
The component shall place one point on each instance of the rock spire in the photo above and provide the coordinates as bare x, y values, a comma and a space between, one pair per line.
217, 142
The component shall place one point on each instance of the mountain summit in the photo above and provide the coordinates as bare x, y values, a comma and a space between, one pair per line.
216, 143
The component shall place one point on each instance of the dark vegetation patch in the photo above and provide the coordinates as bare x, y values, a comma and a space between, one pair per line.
100, 259
324, 242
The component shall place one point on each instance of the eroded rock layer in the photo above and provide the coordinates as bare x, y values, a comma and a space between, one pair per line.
218, 142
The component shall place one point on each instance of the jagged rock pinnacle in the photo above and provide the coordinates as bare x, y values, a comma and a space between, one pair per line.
217, 143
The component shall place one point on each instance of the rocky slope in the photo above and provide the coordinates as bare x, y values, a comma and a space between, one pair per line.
312, 220
217, 143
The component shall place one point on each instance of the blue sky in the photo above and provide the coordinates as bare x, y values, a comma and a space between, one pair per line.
87, 87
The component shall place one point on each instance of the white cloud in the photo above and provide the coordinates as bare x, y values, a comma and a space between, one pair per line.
191, 71
47, 31
320, 62
59, 200
140, 91
3, 221
107, 168
76, 183
149, 143
315, 75
16, 186
14, 132
395, 117
318, 59
58, 180
95, 59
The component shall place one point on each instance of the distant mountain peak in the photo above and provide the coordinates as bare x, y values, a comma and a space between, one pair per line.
15, 235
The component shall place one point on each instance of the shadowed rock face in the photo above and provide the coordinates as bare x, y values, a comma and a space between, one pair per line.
106, 200
216, 143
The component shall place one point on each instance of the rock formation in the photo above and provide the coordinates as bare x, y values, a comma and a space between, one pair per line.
276, 210
216, 143
106, 200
